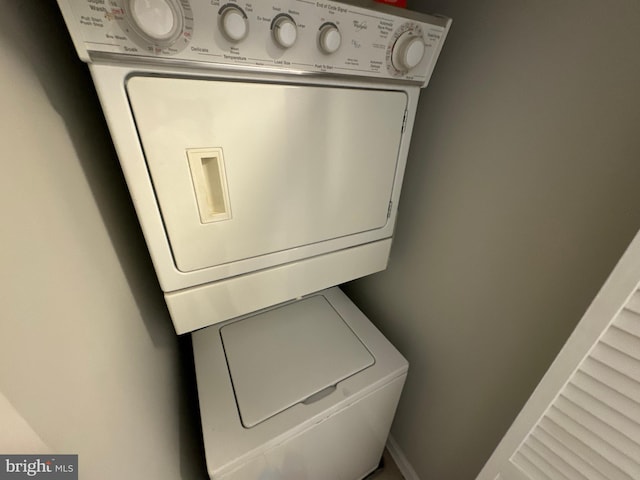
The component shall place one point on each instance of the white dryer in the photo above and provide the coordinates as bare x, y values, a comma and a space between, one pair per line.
264, 145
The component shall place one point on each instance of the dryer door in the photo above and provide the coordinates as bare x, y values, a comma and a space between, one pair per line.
244, 169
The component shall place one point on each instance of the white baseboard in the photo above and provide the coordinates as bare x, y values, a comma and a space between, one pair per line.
401, 460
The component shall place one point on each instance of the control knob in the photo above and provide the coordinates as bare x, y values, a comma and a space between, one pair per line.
284, 30
329, 39
159, 22
407, 51
233, 23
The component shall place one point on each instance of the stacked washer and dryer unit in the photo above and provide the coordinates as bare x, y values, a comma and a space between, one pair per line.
264, 145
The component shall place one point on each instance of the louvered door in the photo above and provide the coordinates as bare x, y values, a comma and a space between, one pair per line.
583, 420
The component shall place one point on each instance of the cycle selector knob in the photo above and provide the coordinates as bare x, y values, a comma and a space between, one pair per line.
284, 31
158, 22
329, 39
407, 52
233, 23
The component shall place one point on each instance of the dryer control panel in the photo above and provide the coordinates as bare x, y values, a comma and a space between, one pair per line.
346, 38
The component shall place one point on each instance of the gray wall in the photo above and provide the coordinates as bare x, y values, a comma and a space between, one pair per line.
520, 195
89, 362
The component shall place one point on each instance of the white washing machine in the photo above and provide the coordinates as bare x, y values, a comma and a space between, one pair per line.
306, 390
264, 146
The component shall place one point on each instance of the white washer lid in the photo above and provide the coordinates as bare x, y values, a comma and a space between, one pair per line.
284, 356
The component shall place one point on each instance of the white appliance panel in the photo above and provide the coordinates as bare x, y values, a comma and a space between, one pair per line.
371, 35
296, 353
299, 165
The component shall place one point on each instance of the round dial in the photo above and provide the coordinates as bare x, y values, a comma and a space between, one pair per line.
285, 31
160, 22
233, 23
407, 51
329, 39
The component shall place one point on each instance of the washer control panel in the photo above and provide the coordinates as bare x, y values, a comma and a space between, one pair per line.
298, 35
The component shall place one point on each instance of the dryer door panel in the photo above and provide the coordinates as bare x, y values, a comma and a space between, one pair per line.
246, 169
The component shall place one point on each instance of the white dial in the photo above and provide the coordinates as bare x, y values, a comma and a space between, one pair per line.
158, 21
407, 51
233, 23
285, 31
330, 39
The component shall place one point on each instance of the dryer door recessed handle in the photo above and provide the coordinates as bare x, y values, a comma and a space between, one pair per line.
209, 183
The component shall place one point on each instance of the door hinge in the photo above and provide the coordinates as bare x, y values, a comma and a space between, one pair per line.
404, 122
389, 209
